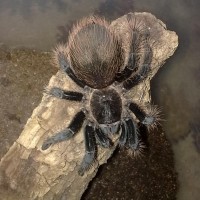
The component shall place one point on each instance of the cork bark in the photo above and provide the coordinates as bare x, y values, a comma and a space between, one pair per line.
27, 172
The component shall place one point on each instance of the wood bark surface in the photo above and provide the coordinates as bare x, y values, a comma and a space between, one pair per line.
27, 172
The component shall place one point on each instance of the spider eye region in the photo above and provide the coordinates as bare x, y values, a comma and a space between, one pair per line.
106, 106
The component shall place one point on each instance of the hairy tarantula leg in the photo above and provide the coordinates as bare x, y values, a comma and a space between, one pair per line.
141, 74
128, 70
124, 134
140, 51
102, 139
62, 94
73, 128
137, 78
133, 140
65, 66
90, 149
129, 134
141, 114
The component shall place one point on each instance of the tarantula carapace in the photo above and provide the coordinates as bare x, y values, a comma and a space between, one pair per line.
94, 59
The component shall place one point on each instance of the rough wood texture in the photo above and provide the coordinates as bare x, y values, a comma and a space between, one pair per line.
27, 172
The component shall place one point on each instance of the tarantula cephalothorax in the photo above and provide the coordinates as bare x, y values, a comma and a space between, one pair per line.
95, 60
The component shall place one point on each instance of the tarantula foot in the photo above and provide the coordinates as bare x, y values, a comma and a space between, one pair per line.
138, 151
152, 120
87, 162
148, 120
56, 92
47, 144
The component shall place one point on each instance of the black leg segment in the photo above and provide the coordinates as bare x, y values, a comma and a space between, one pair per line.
133, 140
128, 70
102, 138
141, 74
141, 114
129, 134
67, 133
65, 66
124, 134
67, 95
90, 149
77, 122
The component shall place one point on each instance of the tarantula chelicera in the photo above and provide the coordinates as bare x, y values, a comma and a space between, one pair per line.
94, 59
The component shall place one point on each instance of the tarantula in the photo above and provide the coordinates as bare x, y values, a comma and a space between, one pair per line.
94, 59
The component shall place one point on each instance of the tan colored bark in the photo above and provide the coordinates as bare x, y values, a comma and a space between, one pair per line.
27, 172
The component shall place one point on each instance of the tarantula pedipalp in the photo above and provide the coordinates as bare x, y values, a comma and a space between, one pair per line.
95, 60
